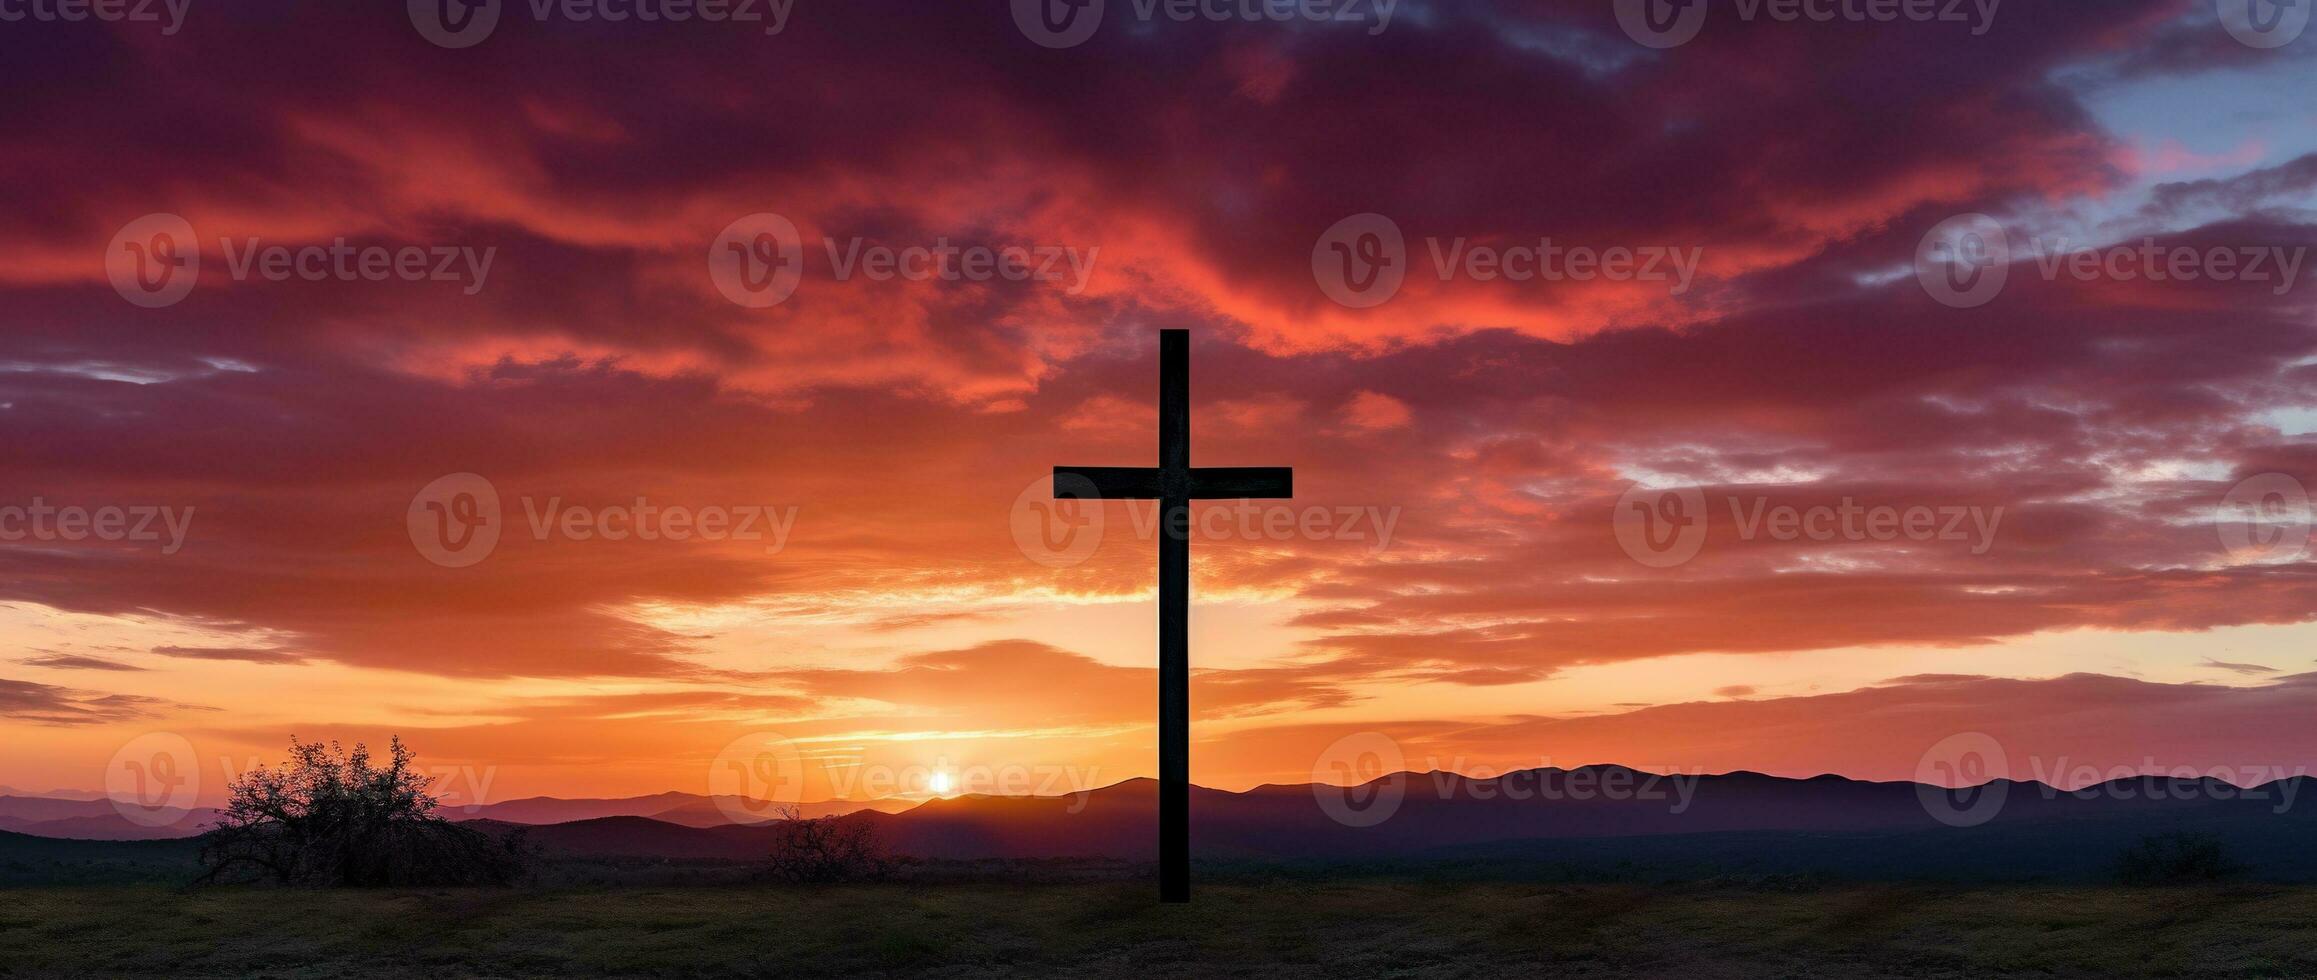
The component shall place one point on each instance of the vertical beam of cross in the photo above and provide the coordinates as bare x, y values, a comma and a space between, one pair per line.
1174, 484
1174, 615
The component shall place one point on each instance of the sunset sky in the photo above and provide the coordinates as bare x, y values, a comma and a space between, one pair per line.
1469, 439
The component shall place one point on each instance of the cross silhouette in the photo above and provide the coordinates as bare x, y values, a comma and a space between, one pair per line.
1174, 483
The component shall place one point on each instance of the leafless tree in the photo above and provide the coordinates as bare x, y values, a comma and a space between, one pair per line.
330, 817
825, 850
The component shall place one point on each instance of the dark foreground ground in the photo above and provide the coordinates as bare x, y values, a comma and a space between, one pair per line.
1248, 927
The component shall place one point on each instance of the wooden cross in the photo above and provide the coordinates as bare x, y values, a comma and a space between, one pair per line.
1174, 484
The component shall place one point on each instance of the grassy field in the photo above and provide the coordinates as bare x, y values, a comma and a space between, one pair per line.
1235, 928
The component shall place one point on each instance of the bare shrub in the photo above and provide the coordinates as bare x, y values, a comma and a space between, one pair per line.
2180, 858
330, 817
827, 850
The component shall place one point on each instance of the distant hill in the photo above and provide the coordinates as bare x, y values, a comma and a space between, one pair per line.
33, 809
704, 811
1446, 810
54, 794
646, 837
1736, 823
2273, 847
91, 820
1739, 823
96, 819
687, 809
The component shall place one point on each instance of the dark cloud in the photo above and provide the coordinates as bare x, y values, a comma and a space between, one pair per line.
251, 655
2249, 669
2239, 194
44, 704
72, 661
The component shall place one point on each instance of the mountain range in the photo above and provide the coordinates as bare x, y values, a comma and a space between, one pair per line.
1738, 822
93, 817
75, 818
